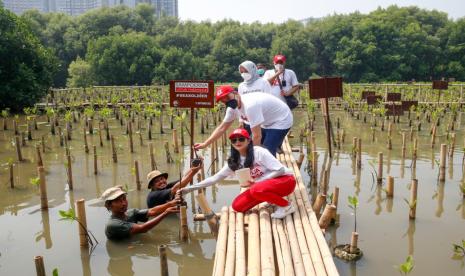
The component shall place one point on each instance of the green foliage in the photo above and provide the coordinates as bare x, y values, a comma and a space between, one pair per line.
55, 272
34, 181
5, 112
406, 267
79, 74
67, 215
353, 202
26, 66
459, 250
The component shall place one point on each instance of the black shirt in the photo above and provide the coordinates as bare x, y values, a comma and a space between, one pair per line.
159, 197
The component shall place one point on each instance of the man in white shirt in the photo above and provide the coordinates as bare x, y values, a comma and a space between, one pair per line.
270, 119
283, 81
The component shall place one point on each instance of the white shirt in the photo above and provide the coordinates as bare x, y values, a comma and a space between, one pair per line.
261, 109
289, 76
259, 85
263, 164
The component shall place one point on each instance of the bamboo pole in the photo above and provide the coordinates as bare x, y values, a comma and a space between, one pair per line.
95, 160
380, 168
18, 149
152, 157
163, 260
221, 244
314, 167
175, 141
318, 204
211, 217
390, 186
353, 243
359, 153
241, 267
169, 159
253, 254
100, 134
40, 268
81, 217
414, 153
442, 163
452, 145
141, 141
131, 143
231, 249
413, 199
354, 146
136, 172
113, 150
184, 230
266, 244
433, 137
43, 188
403, 145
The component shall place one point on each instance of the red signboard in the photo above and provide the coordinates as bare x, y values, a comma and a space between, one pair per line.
406, 105
327, 87
372, 99
393, 97
191, 94
366, 94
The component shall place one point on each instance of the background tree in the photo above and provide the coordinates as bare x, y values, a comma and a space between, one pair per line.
26, 67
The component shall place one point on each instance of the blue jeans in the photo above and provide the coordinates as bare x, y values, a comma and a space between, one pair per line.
273, 138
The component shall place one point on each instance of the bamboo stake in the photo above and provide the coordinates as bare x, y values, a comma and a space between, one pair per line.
318, 204
12, 178
169, 159
81, 217
314, 167
442, 163
131, 144
403, 145
433, 136
231, 249
359, 153
452, 145
163, 260
43, 188
18, 149
390, 186
100, 134
40, 162
39, 262
69, 170
211, 217
328, 214
175, 141
15, 127
221, 244
141, 141
414, 154
413, 199
380, 168
86, 145
184, 230
95, 160
353, 243
354, 146
136, 172
152, 157
113, 150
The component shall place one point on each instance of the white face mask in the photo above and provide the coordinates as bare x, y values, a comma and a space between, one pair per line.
278, 66
246, 76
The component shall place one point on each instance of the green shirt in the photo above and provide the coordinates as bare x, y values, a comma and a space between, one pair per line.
118, 229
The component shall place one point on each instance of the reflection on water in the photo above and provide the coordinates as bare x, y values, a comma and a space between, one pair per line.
385, 237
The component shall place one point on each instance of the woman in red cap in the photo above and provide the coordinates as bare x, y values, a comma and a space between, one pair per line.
270, 180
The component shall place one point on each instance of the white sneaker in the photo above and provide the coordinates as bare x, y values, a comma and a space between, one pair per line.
282, 212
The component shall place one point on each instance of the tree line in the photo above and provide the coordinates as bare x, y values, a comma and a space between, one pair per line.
123, 46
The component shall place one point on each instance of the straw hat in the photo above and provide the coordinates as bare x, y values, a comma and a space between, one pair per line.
112, 193
154, 174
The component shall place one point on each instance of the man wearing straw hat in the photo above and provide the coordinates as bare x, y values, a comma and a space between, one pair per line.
123, 222
162, 191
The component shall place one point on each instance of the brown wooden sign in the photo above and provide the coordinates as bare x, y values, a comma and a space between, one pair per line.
393, 97
440, 85
372, 99
327, 87
191, 94
394, 109
406, 105
366, 94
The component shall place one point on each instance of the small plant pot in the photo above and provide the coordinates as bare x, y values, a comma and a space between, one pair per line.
342, 252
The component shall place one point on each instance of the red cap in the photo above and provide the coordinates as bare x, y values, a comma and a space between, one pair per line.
239, 132
223, 91
279, 58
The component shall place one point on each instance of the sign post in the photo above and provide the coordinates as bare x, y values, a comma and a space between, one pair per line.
191, 94
324, 88
440, 85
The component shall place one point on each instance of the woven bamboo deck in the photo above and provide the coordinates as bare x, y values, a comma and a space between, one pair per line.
255, 244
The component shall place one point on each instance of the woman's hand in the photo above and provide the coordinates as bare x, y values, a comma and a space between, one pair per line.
249, 183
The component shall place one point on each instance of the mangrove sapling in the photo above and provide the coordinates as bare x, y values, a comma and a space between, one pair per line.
406, 267
5, 113
71, 216
459, 251
353, 204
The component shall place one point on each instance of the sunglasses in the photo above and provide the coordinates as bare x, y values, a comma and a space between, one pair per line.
240, 139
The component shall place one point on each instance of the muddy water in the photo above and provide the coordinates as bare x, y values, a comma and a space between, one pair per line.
386, 234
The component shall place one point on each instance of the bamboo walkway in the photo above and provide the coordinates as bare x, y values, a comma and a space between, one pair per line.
255, 244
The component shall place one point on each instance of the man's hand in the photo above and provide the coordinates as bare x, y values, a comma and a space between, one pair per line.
175, 202
171, 210
283, 93
198, 146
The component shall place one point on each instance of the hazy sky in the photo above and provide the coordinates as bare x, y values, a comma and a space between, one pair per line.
280, 10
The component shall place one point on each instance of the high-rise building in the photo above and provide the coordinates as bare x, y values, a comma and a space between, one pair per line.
77, 7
